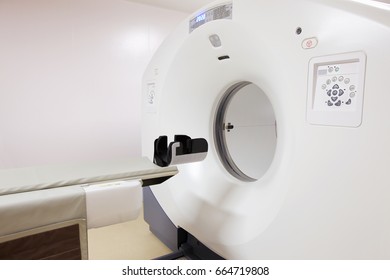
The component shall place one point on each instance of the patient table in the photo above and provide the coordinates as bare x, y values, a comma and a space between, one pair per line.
43, 212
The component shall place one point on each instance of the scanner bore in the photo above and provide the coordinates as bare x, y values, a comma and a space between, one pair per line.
245, 131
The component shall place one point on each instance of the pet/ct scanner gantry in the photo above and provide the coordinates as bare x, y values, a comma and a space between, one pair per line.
292, 99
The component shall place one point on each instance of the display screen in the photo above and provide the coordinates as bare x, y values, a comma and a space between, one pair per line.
219, 12
200, 17
322, 72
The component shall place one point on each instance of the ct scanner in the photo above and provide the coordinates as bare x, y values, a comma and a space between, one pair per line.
293, 100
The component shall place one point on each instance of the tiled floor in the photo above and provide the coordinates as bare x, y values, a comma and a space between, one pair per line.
127, 241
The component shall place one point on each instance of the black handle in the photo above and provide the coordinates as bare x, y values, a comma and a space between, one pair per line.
182, 150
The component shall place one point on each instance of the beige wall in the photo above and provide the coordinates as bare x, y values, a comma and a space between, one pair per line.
70, 78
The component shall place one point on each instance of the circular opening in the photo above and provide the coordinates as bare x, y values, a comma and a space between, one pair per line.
245, 131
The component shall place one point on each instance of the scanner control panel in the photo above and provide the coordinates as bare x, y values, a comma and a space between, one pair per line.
336, 88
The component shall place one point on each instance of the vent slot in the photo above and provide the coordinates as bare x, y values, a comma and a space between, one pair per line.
224, 57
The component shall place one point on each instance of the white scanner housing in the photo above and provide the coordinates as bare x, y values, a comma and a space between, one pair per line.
293, 98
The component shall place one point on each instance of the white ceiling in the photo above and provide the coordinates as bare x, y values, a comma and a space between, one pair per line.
188, 6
